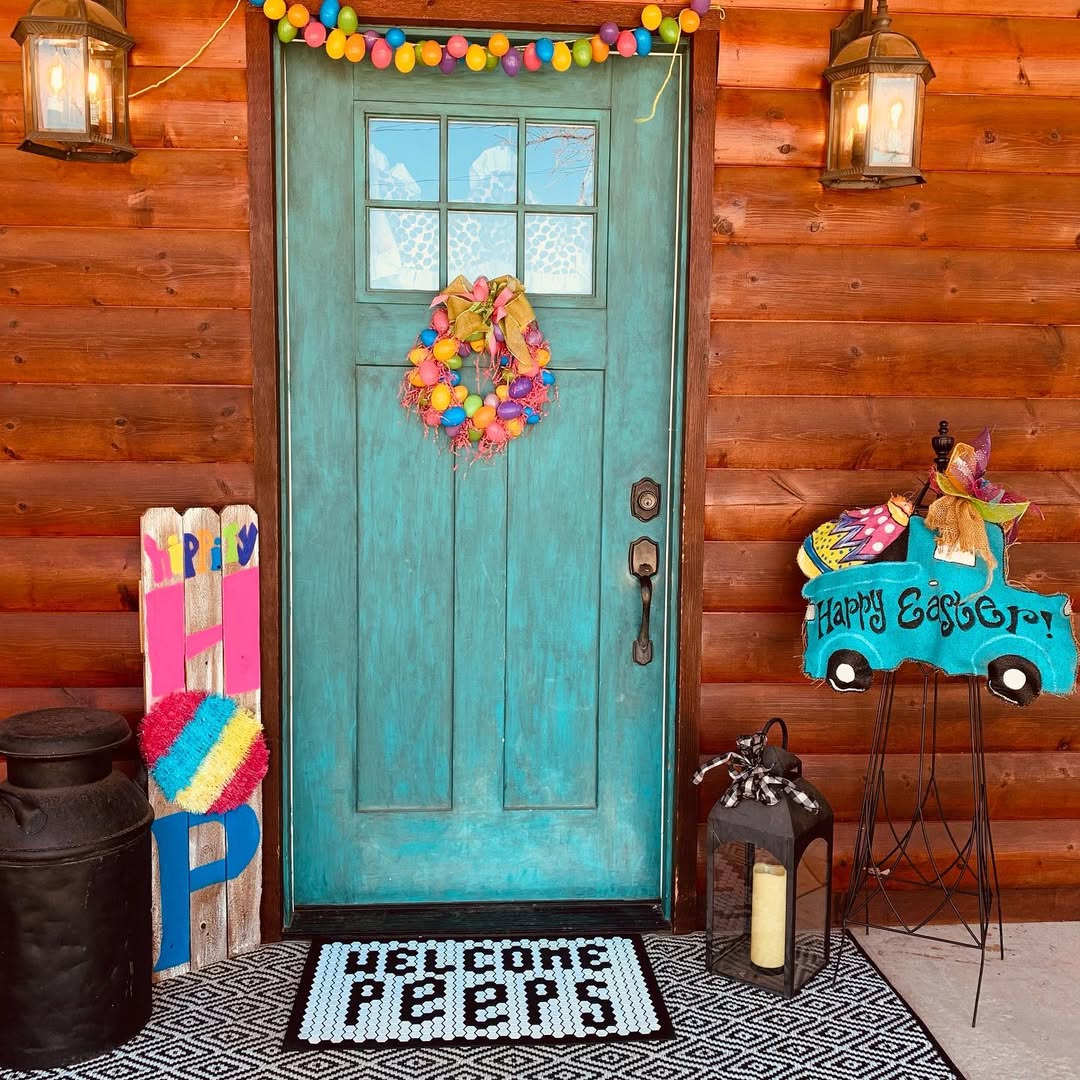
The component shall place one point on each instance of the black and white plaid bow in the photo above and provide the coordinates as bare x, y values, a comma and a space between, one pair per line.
750, 779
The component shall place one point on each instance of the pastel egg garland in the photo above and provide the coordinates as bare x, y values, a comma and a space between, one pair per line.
494, 323
336, 28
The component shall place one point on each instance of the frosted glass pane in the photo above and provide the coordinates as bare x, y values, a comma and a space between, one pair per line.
481, 244
482, 163
559, 253
403, 160
403, 249
560, 165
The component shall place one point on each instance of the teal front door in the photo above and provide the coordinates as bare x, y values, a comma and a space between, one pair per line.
466, 717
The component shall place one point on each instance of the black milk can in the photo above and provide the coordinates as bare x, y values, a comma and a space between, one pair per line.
75, 917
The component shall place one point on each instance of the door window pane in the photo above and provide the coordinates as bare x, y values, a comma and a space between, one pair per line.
403, 160
482, 162
403, 249
560, 164
481, 244
559, 253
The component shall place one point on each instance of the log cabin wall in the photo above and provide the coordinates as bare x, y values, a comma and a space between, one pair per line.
125, 354
844, 326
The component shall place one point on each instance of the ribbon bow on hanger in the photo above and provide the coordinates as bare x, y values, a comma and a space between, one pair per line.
751, 778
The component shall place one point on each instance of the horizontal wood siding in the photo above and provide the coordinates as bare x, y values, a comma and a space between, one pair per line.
844, 326
125, 355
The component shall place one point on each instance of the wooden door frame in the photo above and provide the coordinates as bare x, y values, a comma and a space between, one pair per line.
528, 15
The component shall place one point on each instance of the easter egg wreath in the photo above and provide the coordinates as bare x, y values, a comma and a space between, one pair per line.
493, 323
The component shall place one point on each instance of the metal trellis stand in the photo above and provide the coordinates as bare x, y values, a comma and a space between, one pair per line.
957, 862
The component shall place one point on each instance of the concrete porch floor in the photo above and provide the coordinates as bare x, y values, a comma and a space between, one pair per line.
1029, 1012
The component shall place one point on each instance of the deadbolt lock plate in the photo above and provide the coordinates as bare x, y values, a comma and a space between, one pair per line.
645, 499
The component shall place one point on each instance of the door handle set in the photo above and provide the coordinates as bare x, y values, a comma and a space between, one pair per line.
644, 562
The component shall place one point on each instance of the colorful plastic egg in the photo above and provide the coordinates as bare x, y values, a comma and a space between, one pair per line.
531, 416
514, 428
455, 378
543, 357
464, 350
502, 392
451, 417
275, 9
460, 392
405, 58
432, 418
669, 30
483, 416
299, 15
475, 434
447, 64
429, 337
452, 430
700, 6
545, 50
315, 34
286, 32
562, 58
582, 52
329, 10
651, 16
355, 48
454, 362
530, 58
335, 44
511, 62
444, 348
600, 49
440, 321
498, 44
520, 387
548, 377
381, 54
491, 61
472, 404
496, 433
347, 22
689, 20
508, 410
491, 400
431, 53
395, 37
644, 41
475, 58
415, 379
429, 372
370, 37
609, 33
441, 397
457, 46
627, 43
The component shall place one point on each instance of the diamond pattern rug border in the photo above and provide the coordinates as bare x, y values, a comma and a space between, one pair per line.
229, 1020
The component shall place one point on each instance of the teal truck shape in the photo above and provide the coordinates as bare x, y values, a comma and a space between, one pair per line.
940, 610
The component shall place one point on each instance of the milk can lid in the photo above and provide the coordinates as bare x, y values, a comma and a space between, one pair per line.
61, 733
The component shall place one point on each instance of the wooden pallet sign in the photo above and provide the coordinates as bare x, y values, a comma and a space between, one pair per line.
199, 606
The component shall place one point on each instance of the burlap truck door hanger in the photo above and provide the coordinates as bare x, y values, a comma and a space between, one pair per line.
888, 586
199, 609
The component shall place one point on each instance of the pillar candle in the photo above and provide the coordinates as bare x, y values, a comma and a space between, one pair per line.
768, 916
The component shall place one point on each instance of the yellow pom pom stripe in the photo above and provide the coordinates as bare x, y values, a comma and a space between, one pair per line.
221, 763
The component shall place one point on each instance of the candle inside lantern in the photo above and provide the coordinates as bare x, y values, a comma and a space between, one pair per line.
768, 916
55, 102
93, 92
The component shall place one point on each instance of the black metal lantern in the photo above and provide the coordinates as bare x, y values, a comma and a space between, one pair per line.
877, 78
770, 840
75, 80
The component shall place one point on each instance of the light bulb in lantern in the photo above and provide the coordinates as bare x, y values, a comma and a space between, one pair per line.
858, 136
55, 103
896, 111
862, 114
93, 92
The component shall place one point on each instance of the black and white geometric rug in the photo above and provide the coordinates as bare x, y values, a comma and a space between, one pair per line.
225, 1023
441, 991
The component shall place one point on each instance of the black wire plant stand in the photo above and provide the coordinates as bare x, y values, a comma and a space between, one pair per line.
959, 861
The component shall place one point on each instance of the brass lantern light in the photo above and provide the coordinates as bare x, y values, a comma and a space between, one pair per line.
75, 80
877, 78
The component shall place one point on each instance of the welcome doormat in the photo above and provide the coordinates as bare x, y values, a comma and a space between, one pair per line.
443, 992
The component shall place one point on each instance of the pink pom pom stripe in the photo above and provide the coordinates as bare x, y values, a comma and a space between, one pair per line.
164, 722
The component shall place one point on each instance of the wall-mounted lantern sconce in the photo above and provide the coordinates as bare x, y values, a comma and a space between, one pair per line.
877, 78
75, 80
